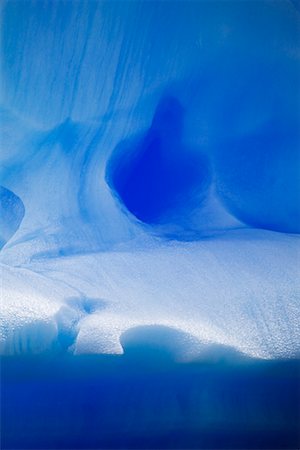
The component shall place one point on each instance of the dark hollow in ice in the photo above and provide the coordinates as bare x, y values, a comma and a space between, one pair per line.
156, 176
258, 176
159, 341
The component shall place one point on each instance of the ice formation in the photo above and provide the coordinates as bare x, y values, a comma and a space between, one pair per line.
150, 177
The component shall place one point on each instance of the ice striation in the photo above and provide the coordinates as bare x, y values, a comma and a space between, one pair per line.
150, 178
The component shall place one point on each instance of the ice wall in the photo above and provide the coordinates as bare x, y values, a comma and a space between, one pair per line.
130, 124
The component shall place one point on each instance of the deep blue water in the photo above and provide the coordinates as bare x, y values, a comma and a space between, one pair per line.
129, 402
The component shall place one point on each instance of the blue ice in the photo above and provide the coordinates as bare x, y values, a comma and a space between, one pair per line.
150, 218
150, 159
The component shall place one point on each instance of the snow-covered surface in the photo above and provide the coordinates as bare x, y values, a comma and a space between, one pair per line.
238, 289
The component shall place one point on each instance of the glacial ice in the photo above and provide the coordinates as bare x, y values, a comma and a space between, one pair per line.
150, 174
12, 213
160, 178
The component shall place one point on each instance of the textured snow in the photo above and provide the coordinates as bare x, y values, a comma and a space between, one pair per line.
150, 175
209, 290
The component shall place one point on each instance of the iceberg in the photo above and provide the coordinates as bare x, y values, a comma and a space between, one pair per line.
167, 188
150, 188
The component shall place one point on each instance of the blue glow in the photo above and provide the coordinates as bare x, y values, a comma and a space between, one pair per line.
158, 176
12, 213
150, 214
